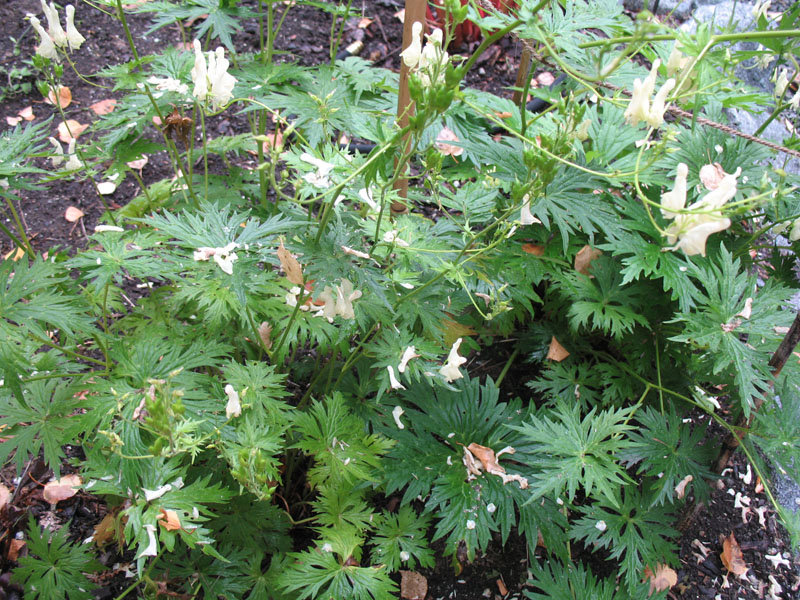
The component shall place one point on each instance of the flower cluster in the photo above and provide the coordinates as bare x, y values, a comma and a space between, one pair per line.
331, 302
691, 229
55, 37
640, 108
224, 257
430, 62
211, 79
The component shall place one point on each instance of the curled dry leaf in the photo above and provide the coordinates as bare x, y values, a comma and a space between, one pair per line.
14, 254
556, 351
533, 249
663, 579
711, 175
747, 310
364, 23
680, 489
61, 97
138, 164
584, 258
14, 548
489, 462
443, 143
73, 213
13, 121
732, 556
27, 113
104, 531
5, 495
292, 268
170, 520
104, 106
545, 78
413, 586
61, 489
265, 333
69, 130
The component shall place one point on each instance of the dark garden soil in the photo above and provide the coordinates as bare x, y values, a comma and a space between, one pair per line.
304, 38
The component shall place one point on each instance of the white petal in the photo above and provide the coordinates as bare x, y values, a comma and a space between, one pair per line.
150, 495
396, 414
410, 352
396, 385
233, 408
152, 546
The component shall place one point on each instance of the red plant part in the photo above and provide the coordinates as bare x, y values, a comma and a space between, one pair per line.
466, 31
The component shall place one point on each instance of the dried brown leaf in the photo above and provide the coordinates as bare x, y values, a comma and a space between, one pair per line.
663, 579
13, 121
103, 107
443, 143
70, 129
364, 23
14, 254
5, 495
265, 333
104, 531
170, 520
413, 586
533, 249
584, 258
732, 556
61, 489
680, 489
711, 175
27, 113
73, 213
62, 97
556, 352
14, 548
292, 268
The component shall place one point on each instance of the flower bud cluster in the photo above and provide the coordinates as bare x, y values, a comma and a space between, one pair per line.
211, 79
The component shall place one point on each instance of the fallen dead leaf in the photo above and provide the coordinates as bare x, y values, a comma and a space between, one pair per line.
364, 23
400, 15
104, 531
501, 587
747, 310
15, 546
663, 579
443, 143
27, 113
292, 268
533, 249
489, 462
73, 213
556, 352
545, 78
265, 333
13, 121
274, 140
63, 97
14, 254
584, 258
61, 489
711, 175
413, 586
680, 489
454, 330
103, 107
138, 164
170, 520
732, 556
5, 495
70, 129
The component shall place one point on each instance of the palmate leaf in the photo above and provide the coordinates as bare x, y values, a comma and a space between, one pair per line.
571, 453
221, 19
777, 428
553, 581
403, 531
54, 568
638, 537
737, 347
427, 462
47, 418
668, 451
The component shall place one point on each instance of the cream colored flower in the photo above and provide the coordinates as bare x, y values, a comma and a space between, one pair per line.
396, 414
675, 199
795, 101
233, 408
794, 234
639, 107
152, 545
782, 82
168, 84
411, 55
450, 368
525, 215
390, 237
655, 116
345, 294
58, 157
46, 47
410, 352
73, 162
74, 38
396, 385
224, 257
54, 29
320, 177
760, 8
676, 60
211, 78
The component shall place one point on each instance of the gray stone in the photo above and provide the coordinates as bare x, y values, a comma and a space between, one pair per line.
775, 132
720, 15
680, 9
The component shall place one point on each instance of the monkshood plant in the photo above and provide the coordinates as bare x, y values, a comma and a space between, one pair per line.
302, 350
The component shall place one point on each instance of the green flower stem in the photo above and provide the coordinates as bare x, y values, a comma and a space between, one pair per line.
261, 128
20, 244
23, 237
68, 352
723, 37
336, 36
205, 153
489, 40
780, 106
507, 366
301, 298
124, 20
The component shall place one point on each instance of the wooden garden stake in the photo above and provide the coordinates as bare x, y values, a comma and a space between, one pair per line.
415, 11
522, 74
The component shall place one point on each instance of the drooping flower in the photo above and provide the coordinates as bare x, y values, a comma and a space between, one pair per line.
339, 301
412, 54
794, 234
54, 29
224, 257
46, 47
396, 385
168, 84
691, 231
73, 162
410, 352
233, 408
58, 157
795, 100
676, 60
320, 177
525, 215
390, 237
396, 414
760, 8
782, 82
152, 545
450, 368
211, 79
639, 108
655, 116
676, 198
74, 38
